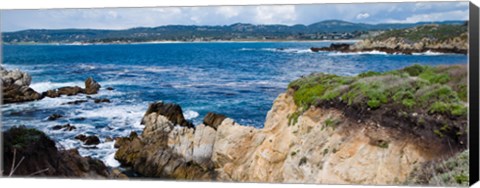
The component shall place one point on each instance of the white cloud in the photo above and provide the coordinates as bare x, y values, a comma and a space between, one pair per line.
284, 14
362, 16
441, 16
228, 12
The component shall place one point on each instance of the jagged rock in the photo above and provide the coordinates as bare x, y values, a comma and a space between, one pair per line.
309, 151
173, 112
15, 87
91, 86
213, 120
54, 117
168, 149
41, 157
66, 127
102, 100
88, 140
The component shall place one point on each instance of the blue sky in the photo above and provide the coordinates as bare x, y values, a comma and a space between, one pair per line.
122, 18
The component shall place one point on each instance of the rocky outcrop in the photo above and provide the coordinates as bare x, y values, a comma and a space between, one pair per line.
32, 153
15, 87
213, 120
427, 38
323, 146
173, 113
91, 86
168, 148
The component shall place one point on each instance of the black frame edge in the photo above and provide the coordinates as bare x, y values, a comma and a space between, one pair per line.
473, 98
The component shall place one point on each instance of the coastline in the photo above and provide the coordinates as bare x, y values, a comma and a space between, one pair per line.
183, 42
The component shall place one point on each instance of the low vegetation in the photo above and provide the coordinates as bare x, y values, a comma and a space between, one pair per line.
450, 172
436, 32
424, 89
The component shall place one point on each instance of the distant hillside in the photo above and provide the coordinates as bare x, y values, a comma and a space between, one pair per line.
329, 29
419, 39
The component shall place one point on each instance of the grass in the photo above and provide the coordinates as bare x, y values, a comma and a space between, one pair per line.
450, 172
439, 90
435, 32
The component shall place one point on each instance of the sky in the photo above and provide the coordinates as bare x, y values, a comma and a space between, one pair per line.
123, 18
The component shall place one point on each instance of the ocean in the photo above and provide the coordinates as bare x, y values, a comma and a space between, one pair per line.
239, 80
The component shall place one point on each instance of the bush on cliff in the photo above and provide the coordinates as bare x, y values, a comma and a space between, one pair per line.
453, 171
417, 88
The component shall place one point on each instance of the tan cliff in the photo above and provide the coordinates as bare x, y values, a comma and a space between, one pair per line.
323, 146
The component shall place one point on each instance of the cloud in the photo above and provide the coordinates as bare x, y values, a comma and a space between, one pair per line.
284, 14
362, 16
122, 18
228, 12
443, 16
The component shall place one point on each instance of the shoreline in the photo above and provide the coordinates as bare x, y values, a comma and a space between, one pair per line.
178, 42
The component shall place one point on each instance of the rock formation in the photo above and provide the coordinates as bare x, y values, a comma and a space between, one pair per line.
433, 38
323, 146
32, 153
91, 86
15, 87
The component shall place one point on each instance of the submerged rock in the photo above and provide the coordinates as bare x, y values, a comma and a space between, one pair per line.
102, 100
40, 157
54, 117
15, 87
66, 127
91, 86
76, 102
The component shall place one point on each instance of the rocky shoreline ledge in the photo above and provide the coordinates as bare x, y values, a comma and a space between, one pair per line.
421, 39
326, 141
374, 128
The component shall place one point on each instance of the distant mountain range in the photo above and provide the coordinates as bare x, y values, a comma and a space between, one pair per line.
329, 29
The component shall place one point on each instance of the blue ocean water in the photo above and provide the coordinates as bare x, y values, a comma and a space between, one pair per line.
240, 80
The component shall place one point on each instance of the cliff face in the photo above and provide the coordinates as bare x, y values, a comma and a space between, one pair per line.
322, 146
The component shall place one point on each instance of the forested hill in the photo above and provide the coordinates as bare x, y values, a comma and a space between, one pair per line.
329, 29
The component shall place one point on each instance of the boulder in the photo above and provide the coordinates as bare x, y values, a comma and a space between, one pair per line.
15, 87
88, 140
91, 86
42, 158
173, 112
213, 120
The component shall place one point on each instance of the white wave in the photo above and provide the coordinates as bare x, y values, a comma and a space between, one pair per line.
111, 161
190, 114
120, 116
157, 69
44, 86
430, 53
374, 52
283, 50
